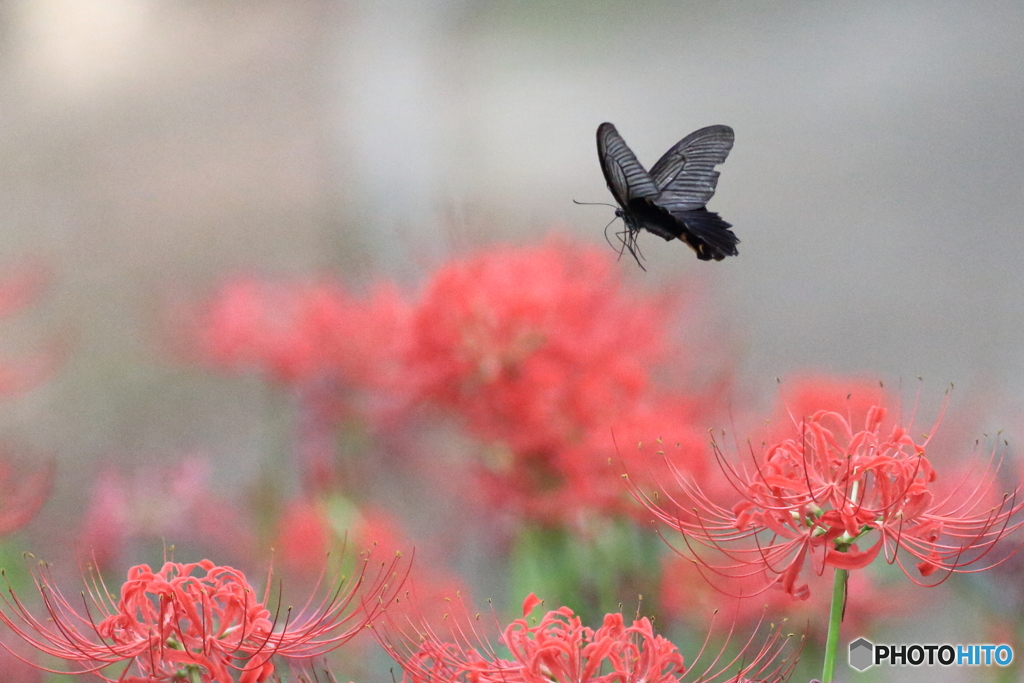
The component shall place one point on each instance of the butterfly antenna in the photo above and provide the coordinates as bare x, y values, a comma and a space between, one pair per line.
593, 204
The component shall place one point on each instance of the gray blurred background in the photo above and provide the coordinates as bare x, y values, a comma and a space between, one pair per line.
151, 148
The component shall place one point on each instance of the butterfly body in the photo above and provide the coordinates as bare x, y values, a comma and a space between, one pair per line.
670, 199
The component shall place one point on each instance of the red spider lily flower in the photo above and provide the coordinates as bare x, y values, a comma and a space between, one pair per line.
559, 649
194, 622
835, 496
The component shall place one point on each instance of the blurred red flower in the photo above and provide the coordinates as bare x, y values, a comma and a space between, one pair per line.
297, 332
532, 346
195, 621
544, 353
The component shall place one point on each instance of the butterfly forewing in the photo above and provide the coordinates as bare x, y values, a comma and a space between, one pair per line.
686, 173
626, 177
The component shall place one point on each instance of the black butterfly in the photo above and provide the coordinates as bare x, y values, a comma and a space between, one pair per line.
670, 199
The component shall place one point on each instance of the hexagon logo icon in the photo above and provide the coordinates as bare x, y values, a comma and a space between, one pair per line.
861, 654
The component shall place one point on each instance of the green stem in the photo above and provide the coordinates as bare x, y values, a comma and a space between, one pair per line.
835, 618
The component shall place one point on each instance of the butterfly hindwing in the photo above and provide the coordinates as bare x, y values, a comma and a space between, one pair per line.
686, 173
707, 234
